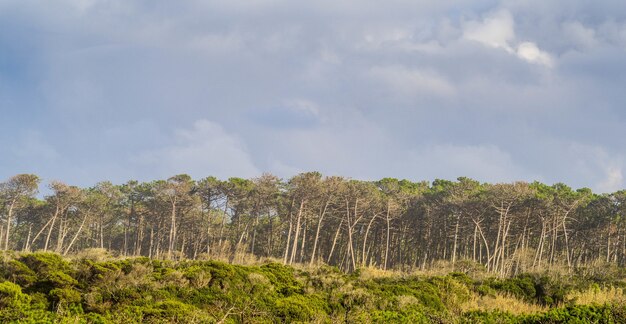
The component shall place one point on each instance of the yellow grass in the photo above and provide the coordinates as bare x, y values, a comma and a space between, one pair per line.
597, 296
368, 273
502, 303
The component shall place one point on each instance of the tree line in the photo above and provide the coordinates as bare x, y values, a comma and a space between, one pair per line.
509, 228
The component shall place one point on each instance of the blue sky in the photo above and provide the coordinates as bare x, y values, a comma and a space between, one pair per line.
94, 90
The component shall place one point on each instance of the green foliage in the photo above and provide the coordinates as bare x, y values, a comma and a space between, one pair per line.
524, 287
20, 273
299, 308
43, 287
17, 306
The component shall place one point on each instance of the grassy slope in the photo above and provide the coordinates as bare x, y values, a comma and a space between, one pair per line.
43, 287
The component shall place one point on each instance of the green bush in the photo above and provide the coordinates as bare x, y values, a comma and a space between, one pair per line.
298, 308
20, 273
44, 287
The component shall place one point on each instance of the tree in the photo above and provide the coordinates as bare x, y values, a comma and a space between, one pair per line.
13, 193
176, 191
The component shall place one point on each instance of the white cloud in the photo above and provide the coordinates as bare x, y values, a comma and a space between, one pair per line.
411, 82
303, 106
218, 43
484, 162
614, 180
367, 83
531, 53
597, 166
496, 30
580, 35
205, 149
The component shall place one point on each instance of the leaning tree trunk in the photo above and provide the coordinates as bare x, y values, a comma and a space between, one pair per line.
8, 231
53, 220
367, 230
388, 235
294, 248
69, 246
172, 230
317, 232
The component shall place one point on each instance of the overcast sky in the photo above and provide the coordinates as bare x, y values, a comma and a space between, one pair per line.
498, 91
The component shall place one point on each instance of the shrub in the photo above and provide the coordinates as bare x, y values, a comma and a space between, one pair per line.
298, 308
11, 296
20, 273
65, 299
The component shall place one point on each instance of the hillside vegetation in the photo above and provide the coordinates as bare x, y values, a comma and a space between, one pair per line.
508, 228
95, 288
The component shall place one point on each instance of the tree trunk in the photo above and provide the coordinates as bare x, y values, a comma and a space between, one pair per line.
286, 255
53, 220
456, 237
332, 248
367, 230
172, 230
8, 231
388, 222
294, 248
317, 231
69, 246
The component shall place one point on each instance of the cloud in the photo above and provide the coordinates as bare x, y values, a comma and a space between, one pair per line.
497, 30
531, 53
290, 114
580, 36
497, 90
411, 82
205, 149
484, 162
601, 168
614, 180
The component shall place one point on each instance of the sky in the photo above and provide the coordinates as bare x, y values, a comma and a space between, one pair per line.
498, 91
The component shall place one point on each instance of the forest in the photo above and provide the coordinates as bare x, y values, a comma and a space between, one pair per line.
509, 228
313, 248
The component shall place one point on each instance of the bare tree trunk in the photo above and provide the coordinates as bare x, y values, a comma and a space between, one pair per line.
139, 236
482, 235
101, 232
350, 229
363, 256
151, 242
302, 246
172, 230
456, 237
69, 246
317, 231
8, 231
286, 255
332, 249
26, 244
56, 213
61, 233
474, 246
223, 224
40, 232
608, 247
294, 248
388, 222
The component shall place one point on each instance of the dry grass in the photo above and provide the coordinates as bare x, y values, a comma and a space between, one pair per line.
597, 296
502, 303
437, 268
94, 254
369, 273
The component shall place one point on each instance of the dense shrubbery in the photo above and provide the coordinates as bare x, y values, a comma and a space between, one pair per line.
44, 287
